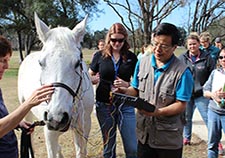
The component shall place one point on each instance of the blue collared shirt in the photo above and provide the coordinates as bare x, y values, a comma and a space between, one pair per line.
184, 86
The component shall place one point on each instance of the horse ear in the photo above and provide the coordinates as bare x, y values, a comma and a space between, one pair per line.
79, 30
41, 28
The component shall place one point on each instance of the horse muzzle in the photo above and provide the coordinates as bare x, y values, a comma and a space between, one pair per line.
61, 125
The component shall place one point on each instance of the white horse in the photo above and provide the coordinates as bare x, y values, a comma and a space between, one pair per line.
60, 63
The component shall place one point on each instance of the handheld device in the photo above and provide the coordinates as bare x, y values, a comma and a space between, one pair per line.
136, 102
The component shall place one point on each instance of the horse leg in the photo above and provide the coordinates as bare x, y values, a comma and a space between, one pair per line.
51, 140
82, 130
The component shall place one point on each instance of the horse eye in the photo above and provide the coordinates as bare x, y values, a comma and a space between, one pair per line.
77, 64
39, 62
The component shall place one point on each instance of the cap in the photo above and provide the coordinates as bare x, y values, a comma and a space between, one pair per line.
218, 40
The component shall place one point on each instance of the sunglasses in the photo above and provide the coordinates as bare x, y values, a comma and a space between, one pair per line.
221, 57
114, 40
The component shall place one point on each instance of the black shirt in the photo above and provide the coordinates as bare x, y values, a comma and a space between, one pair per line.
105, 67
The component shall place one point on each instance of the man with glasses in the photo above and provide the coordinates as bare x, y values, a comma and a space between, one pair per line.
165, 82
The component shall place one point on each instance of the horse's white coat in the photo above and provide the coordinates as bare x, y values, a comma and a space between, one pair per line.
58, 61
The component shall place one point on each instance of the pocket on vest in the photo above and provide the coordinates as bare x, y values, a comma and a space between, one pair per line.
166, 96
167, 134
142, 81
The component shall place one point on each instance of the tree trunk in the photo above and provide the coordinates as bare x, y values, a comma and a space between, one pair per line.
20, 45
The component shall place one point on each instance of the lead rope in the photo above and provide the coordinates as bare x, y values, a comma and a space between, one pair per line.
25, 145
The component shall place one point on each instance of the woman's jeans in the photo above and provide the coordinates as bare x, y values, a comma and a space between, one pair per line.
123, 116
216, 123
202, 104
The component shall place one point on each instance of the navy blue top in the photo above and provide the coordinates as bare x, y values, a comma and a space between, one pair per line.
213, 51
107, 70
8, 143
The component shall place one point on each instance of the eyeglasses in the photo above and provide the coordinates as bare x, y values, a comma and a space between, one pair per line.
114, 40
163, 47
221, 57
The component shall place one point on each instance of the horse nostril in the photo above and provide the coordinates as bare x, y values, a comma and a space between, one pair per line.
45, 115
65, 118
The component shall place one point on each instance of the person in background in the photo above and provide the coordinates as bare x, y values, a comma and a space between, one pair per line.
8, 122
101, 44
218, 43
164, 81
145, 50
205, 41
201, 65
115, 65
95, 78
214, 89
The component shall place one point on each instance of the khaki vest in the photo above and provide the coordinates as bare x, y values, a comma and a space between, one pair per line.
165, 132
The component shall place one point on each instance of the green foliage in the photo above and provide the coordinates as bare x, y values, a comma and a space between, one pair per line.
183, 34
17, 17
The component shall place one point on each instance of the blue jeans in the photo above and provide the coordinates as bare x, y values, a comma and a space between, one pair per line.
216, 123
202, 104
109, 117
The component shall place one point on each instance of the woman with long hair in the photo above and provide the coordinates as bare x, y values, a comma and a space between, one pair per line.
115, 65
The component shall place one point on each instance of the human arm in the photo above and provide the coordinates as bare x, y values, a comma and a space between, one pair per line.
12, 120
207, 89
126, 72
26, 125
133, 88
173, 109
216, 96
93, 69
118, 82
94, 76
183, 94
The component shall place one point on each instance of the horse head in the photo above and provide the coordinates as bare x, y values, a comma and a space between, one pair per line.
61, 65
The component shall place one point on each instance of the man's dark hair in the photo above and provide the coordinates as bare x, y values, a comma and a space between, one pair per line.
168, 30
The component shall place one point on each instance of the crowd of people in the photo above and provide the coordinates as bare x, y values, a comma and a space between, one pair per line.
174, 85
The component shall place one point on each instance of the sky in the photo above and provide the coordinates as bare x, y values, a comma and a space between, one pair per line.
105, 19
108, 17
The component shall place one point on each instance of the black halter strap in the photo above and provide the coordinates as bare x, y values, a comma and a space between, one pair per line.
59, 84
71, 91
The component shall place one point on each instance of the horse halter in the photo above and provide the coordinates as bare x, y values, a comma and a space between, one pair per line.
70, 90
59, 84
